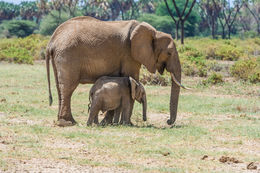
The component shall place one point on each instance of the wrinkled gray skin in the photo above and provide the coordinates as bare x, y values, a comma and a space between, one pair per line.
83, 49
116, 93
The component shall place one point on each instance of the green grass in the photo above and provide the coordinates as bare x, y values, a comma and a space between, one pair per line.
214, 120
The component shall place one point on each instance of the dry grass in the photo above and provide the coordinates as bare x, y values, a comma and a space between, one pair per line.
215, 121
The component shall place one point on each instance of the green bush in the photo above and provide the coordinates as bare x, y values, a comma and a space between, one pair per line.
193, 61
214, 78
50, 22
19, 28
248, 70
228, 52
23, 50
257, 41
161, 23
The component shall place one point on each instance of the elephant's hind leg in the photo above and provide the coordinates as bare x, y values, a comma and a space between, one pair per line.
65, 105
67, 81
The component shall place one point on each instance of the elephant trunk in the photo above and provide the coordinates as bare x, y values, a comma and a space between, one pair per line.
175, 91
144, 103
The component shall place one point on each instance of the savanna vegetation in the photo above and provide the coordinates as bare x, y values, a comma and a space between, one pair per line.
218, 122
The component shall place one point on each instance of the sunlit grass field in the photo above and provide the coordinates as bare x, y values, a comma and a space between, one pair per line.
213, 121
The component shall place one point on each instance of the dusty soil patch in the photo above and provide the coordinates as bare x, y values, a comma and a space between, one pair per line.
48, 165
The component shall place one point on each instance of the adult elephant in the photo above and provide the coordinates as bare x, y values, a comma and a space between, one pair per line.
83, 49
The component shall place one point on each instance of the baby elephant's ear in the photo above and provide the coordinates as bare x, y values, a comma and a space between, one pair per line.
133, 87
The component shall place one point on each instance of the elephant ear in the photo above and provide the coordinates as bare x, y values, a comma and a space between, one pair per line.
142, 48
133, 84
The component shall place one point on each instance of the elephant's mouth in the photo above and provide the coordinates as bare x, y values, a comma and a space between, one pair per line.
161, 68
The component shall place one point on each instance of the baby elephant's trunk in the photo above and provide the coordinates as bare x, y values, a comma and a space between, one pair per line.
144, 103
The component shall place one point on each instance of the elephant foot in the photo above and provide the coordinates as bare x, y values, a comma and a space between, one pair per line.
169, 122
128, 123
64, 123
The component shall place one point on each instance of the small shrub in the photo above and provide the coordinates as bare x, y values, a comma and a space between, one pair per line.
189, 68
211, 52
214, 78
228, 52
193, 62
257, 41
248, 69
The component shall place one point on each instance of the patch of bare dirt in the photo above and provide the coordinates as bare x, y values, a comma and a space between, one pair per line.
47, 165
160, 119
63, 144
2, 115
21, 121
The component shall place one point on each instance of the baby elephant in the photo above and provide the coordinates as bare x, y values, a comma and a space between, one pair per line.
118, 94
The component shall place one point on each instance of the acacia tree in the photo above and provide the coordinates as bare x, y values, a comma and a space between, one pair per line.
245, 19
254, 8
229, 13
182, 17
211, 13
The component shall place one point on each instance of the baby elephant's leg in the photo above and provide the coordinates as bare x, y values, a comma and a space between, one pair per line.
94, 109
96, 120
117, 114
127, 112
108, 118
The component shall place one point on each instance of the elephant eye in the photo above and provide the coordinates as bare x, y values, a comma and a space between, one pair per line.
169, 53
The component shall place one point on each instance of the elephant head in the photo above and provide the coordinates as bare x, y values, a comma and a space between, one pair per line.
138, 93
157, 51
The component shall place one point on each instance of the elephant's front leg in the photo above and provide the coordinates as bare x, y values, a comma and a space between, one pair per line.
93, 113
127, 113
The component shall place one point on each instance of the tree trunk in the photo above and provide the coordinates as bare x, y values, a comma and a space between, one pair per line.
213, 28
229, 31
223, 33
258, 28
182, 32
177, 30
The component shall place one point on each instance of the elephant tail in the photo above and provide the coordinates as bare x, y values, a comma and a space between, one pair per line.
47, 58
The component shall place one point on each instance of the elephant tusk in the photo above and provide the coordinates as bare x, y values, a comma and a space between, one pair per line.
178, 83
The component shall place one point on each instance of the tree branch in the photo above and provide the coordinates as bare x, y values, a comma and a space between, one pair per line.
192, 5
185, 6
169, 11
177, 9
